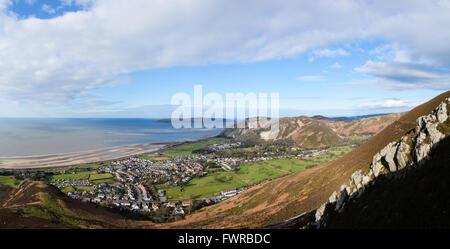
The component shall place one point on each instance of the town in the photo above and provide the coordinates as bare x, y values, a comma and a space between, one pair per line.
131, 184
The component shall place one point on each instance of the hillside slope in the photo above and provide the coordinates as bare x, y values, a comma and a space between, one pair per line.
395, 163
35, 204
421, 199
274, 201
314, 132
362, 126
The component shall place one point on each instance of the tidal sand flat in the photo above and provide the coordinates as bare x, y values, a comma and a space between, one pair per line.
58, 142
78, 158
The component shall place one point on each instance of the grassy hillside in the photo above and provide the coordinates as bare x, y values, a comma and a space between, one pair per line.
9, 180
275, 201
315, 132
38, 205
316, 135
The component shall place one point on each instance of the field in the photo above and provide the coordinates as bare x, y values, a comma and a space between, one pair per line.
83, 168
185, 150
8, 180
247, 175
87, 172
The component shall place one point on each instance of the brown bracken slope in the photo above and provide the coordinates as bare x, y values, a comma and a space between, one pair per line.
37, 205
274, 201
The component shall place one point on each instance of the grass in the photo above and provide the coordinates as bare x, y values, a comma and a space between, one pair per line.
50, 209
9, 180
82, 168
79, 176
108, 180
358, 137
68, 189
247, 175
184, 150
84, 188
84, 175
187, 149
93, 177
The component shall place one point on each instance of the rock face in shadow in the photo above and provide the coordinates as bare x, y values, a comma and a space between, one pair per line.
412, 151
420, 198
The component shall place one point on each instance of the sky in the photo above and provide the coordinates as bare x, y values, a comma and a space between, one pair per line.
127, 58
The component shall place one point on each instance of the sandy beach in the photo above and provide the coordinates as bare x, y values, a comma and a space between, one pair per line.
78, 158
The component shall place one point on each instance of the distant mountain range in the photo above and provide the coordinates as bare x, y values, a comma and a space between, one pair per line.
345, 118
312, 132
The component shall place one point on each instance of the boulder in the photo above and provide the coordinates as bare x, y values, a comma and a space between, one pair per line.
433, 134
442, 112
403, 153
422, 121
357, 178
389, 157
367, 178
333, 197
378, 169
320, 211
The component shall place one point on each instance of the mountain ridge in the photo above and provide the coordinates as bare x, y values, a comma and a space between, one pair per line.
309, 132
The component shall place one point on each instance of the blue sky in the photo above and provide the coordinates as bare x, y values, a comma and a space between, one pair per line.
97, 58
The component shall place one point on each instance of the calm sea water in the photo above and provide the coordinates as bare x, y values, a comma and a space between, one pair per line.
27, 137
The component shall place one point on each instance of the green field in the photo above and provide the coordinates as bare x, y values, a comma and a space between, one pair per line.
83, 175
96, 176
83, 168
185, 150
80, 176
247, 175
84, 188
92, 176
8, 180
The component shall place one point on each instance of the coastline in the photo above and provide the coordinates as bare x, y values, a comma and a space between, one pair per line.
89, 157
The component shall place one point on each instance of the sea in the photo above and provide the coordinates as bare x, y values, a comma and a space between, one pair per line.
23, 137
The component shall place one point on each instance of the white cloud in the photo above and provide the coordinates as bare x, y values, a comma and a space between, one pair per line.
400, 76
48, 9
390, 103
319, 53
61, 59
311, 78
336, 66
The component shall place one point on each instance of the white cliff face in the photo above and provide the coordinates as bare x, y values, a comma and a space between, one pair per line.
407, 152
402, 153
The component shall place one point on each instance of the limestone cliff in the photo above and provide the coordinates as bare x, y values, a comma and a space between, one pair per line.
394, 160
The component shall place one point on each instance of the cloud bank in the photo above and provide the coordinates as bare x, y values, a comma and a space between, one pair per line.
57, 60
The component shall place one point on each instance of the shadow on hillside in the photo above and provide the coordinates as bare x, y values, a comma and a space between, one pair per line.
416, 197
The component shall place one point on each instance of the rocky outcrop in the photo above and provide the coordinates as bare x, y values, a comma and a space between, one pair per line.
410, 151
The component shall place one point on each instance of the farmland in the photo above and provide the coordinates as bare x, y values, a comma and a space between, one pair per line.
8, 180
248, 174
86, 173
